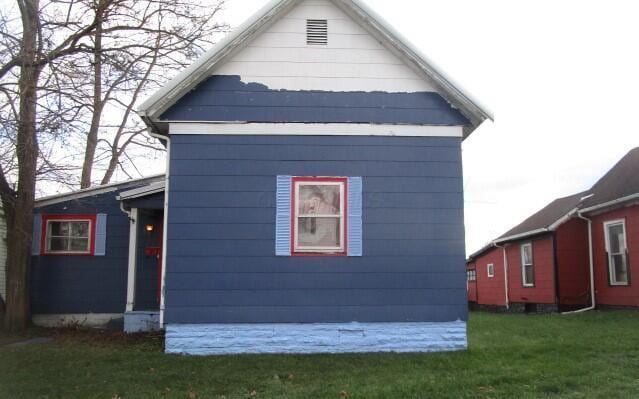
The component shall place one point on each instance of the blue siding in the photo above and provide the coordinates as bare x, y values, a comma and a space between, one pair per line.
153, 201
227, 98
146, 273
85, 284
222, 267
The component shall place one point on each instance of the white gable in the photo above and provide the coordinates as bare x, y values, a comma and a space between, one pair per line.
353, 60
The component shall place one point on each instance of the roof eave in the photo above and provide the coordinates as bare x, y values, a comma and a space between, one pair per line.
467, 104
151, 109
609, 204
155, 105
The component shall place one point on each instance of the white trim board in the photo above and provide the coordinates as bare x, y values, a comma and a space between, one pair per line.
143, 191
89, 192
313, 129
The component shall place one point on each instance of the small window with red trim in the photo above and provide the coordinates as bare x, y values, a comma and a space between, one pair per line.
68, 234
319, 222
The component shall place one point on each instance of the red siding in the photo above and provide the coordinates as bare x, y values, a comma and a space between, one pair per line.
606, 294
491, 290
573, 262
472, 285
543, 260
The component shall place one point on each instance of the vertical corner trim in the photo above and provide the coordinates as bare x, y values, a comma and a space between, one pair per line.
283, 216
355, 228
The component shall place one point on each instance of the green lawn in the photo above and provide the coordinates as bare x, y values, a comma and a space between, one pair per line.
593, 355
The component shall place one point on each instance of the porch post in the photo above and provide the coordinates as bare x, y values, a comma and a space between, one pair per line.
133, 252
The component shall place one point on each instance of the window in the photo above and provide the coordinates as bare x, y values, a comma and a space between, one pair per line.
319, 208
527, 268
491, 270
471, 274
317, 32
68, 234
617, 252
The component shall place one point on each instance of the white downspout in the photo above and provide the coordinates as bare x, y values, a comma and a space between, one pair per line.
592, 269
166, 222
503, 249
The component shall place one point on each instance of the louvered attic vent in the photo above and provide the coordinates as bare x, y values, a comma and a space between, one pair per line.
317, 31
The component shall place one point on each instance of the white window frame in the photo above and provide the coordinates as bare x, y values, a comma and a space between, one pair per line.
471, 275
523, 264
48, 237
342, 216
611, 274
490, 270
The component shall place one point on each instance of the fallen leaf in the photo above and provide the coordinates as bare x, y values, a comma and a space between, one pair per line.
290, 376
192, 395
343, 394
253, 393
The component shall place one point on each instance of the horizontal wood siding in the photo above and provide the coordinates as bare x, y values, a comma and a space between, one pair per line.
544, 291
147, 273
616, 295
222, 267
226, 98
84, 284
573, 262
3, 255
353, 60
491, 290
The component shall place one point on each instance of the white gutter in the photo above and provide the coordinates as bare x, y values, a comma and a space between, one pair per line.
503, 249
610, 203
166, 222
592, 269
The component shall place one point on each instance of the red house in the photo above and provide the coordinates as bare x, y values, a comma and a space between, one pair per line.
573, 254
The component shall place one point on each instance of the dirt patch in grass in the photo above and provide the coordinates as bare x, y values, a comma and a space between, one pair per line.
91, 336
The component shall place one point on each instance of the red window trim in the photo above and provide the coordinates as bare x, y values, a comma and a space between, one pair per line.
43, 237
311, 179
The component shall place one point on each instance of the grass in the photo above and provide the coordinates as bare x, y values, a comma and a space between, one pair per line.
593, 355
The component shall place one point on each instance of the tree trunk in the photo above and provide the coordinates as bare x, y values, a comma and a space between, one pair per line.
98, 106
20, 213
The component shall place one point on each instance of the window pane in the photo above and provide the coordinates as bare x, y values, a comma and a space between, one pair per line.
620, 268
529, 275
58, 244
527, 254
319, 200
319, 232
59, 228
616, 236
79, 244
80, 229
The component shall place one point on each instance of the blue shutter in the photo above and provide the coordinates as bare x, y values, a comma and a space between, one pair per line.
100, 234
37, 234
355, 216
283, 217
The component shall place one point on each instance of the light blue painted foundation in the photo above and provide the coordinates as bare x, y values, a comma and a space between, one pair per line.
231, 339
141, 321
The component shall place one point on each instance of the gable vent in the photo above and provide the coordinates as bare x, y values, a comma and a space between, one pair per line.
317, 31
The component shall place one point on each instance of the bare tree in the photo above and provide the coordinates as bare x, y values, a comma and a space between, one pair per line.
136, 45
63, 65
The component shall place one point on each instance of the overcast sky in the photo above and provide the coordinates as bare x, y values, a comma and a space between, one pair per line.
560, 76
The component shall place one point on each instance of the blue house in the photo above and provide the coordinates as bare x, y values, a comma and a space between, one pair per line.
313, 200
